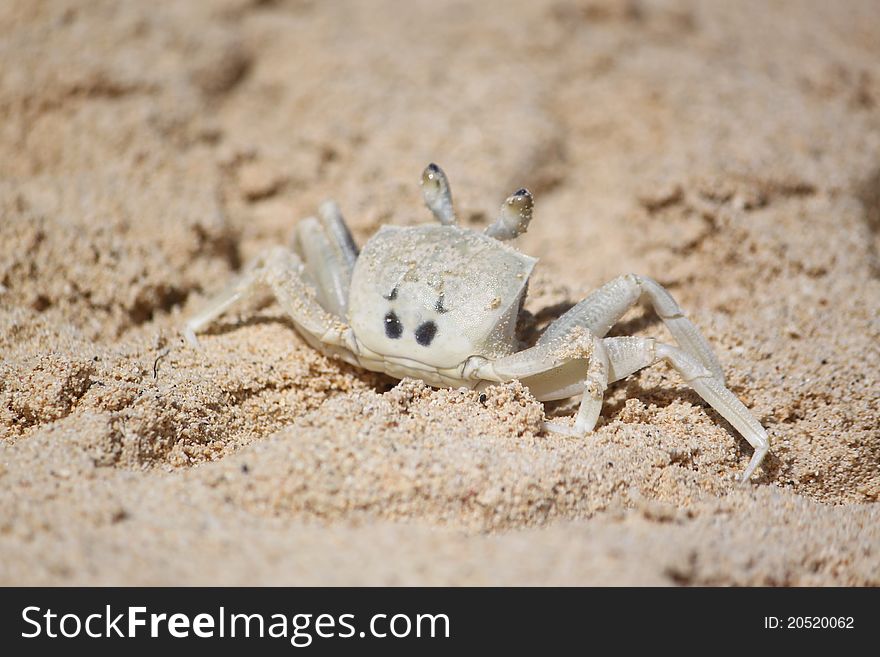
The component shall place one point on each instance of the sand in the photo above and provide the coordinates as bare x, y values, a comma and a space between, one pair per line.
149, 149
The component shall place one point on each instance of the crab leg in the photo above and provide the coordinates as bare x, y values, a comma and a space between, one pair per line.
559, 370
220, 303
594, 385
604, 307
329, 253
281, 271
627, 355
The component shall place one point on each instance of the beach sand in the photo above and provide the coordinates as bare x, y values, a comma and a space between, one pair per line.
148, 150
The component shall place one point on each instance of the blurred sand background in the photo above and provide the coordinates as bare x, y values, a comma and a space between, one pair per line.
149, 149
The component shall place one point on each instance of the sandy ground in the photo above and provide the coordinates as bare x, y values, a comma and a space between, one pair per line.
149, 149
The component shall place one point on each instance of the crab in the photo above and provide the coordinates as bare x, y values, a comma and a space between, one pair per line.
441, 303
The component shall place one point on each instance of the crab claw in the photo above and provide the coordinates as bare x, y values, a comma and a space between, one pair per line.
516, 213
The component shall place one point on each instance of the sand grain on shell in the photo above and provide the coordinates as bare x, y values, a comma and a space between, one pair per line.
148, 152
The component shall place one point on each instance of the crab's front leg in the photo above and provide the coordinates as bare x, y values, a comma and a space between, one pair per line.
580, 362
573, 365
595, 383
281, 271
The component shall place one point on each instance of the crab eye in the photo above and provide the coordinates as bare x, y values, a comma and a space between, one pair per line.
425, 333
393, 327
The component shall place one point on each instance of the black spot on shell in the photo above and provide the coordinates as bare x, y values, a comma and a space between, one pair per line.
425, 333
393, 327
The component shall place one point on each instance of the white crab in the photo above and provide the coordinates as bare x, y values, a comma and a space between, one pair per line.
441, 303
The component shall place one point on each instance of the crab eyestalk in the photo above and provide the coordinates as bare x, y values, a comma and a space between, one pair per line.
438, 197
516, 213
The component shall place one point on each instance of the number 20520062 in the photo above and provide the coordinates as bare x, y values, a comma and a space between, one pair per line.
809, 622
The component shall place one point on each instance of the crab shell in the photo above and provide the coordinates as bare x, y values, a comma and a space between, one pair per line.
433, 296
